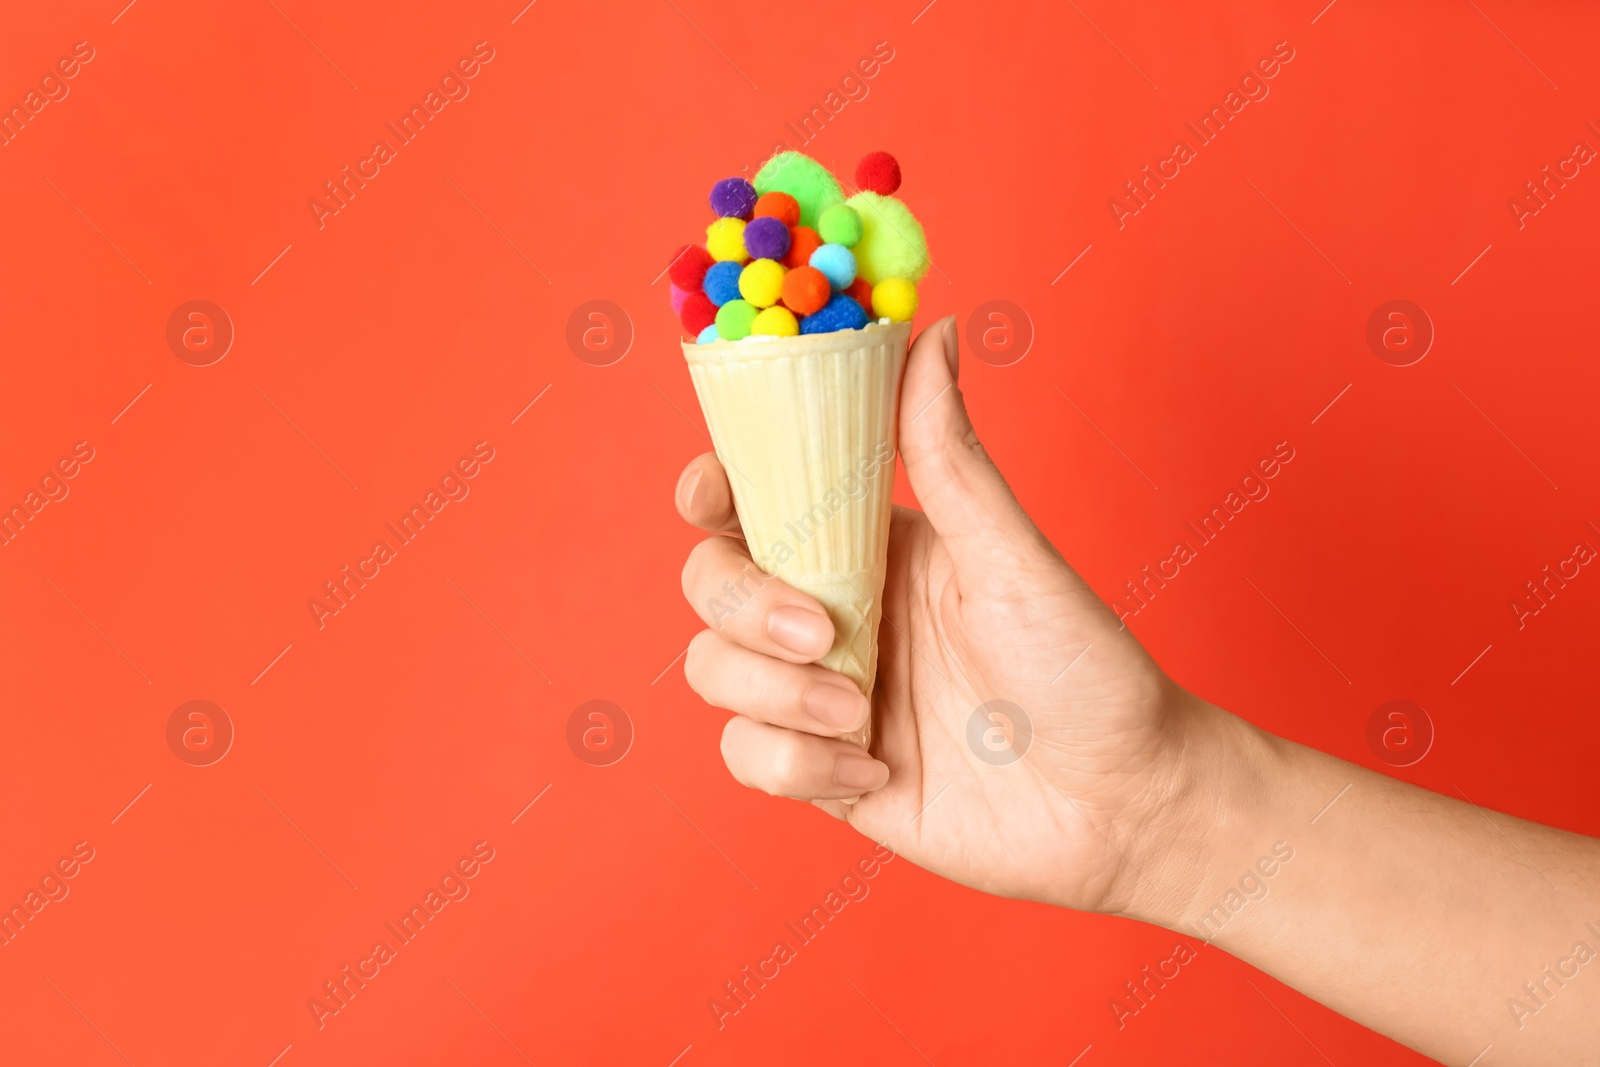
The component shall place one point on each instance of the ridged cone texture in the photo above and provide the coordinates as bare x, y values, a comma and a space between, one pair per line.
806, 428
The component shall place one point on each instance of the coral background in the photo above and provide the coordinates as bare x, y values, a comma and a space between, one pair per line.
370, 754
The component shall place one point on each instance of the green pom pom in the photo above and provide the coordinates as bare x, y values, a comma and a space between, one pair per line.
803, 178
734, 320
840, 225
892, 243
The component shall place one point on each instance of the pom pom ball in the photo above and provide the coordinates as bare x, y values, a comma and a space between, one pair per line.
707, 335
698, 313
780, 206
722, 282
733, 198
761, 283
892, 244
803, 178
860, 291
837, 262
878, 172
894, 299
806, 290
840, 313
734, 319
803, 241
678, 296
689, 267
840, 225
775, 322
725, 241
766, 238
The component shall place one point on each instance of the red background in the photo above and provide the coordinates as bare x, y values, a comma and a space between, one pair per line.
1222, 319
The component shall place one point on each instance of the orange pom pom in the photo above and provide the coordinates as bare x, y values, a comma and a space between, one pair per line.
805, 290
780, 206
803, 241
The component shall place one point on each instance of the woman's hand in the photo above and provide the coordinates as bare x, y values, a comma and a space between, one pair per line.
1068, 763
1123, 793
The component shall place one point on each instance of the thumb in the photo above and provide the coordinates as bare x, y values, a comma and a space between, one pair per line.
989, 537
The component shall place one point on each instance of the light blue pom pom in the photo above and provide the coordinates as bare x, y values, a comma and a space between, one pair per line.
707, 335
837, 263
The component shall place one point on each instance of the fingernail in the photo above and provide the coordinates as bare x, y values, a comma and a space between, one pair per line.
952, 346
837, 706
688, 486
801, 631
859, 772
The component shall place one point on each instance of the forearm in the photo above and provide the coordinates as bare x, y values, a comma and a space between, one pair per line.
1418, 915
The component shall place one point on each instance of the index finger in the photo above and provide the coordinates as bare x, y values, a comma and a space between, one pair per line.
704, 497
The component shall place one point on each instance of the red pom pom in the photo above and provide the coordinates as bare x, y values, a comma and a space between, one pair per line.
688, 270
803, 241
879, 173
861, 292
780, 206
698, 313
805, 290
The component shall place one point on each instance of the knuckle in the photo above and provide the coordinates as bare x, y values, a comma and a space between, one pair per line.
785, 766
799, 689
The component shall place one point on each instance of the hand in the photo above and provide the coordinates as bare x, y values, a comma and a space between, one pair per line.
978, 607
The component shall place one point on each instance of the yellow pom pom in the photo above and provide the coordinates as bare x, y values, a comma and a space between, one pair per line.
775, 322
761, 283
725, 241
894, 299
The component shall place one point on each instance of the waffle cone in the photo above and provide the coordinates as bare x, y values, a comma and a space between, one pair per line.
806, 428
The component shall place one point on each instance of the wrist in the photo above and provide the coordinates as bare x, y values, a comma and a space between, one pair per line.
1201, 817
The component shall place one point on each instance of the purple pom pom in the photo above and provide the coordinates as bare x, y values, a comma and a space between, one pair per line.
839, 313
767, 238
733, 198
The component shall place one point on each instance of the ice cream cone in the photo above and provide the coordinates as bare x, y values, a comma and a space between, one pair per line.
806, 428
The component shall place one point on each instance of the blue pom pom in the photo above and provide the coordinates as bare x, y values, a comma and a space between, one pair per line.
722, 282
838, 263
707, 335
839, 313
733, 198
